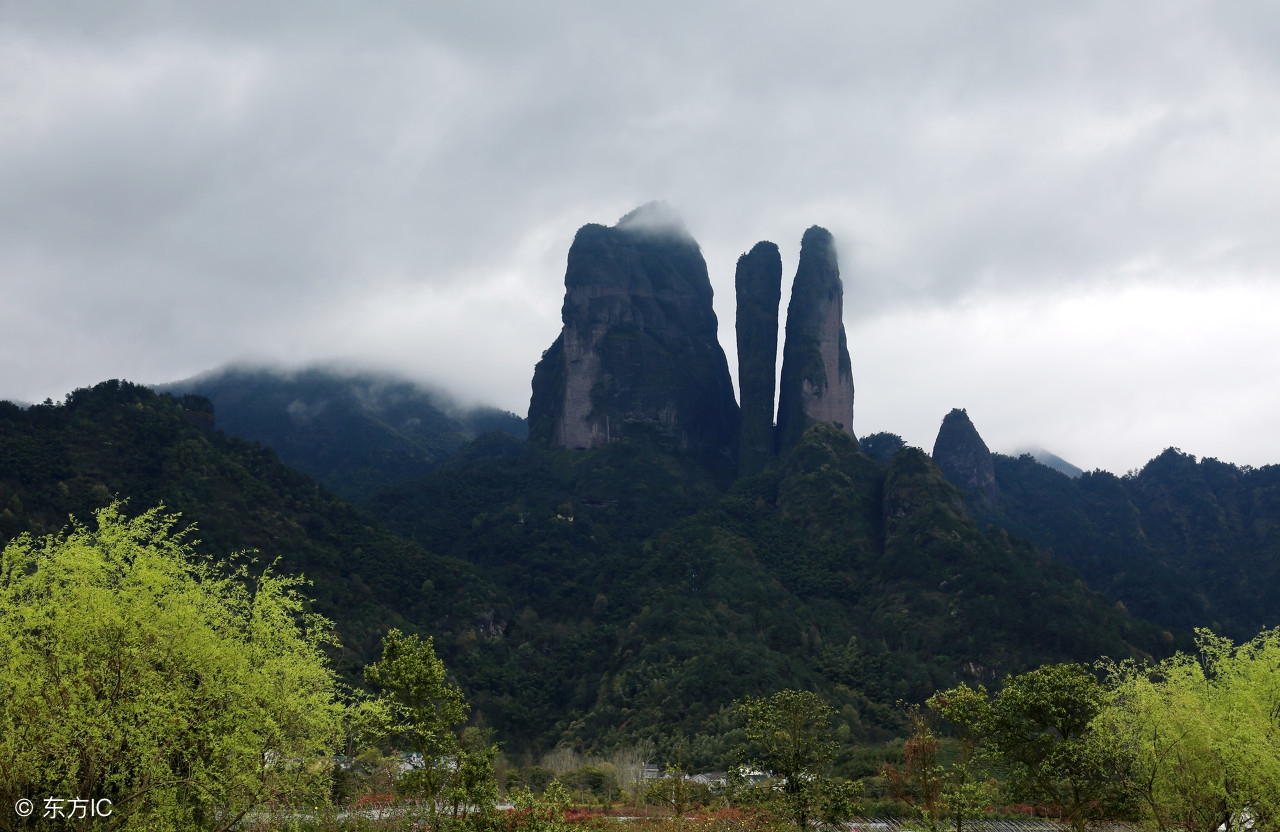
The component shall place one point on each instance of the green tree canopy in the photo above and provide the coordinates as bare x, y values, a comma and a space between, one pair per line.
1041, 728
132, 671
1203, 734
425, 711
789, 734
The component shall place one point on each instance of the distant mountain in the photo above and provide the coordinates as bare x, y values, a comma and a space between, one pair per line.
1052, 460
758, 285
1182, 542
356, 432
816, 384
615, 579
964, 458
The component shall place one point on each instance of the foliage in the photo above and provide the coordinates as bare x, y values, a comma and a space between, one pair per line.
882, 446
788, 734
604, 599
424, 709
920, 781
122, 439
968, 788
472, 788
959, 790
133, 670
676, 792
1182, 542
355, 432
1041, 728
1202, 734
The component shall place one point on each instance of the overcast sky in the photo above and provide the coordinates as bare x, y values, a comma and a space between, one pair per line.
1064, 217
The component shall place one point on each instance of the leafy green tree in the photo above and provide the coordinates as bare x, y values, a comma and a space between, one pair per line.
133, 671
1203, 734
789, 734
967, 789
1041, 727
425, 711
473, 786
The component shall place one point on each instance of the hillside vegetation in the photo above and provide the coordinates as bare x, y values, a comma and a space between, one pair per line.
605, 598
1182, 542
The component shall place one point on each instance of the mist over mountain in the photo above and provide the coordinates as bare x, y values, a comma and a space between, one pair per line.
355, 431
1052, 460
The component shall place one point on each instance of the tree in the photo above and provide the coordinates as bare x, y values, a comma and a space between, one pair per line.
425, 710
966, 790
958, 790
788, 733
1041, 728
920, 782
134, 672
1202, 734
473, 785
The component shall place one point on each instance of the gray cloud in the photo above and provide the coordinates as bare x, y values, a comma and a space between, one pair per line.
397, 184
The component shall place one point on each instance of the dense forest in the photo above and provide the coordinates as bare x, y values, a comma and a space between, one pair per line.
920, 650
1181, 542
601, 599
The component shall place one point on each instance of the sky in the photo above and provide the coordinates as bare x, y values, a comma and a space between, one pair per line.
1062, 217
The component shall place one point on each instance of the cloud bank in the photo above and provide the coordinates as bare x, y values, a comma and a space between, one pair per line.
1065, 211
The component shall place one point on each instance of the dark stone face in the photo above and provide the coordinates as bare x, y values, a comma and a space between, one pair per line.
817, 376
639, 348
759, 290
964, 458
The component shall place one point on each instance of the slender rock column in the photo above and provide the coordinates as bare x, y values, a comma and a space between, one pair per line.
817, 376
759, 290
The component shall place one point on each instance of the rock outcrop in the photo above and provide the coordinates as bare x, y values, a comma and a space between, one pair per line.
964, 458
817, 376
759, 290
638, 350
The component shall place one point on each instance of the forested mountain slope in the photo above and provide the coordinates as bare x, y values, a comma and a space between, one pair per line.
120, 440
600, 598
646, 602
356, 432
1182, 542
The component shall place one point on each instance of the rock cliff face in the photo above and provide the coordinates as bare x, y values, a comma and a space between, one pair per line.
759, 289
964, 458
817, 376
638, 350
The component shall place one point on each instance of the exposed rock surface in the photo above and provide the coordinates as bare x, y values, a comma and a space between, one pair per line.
759, 290
964, 458
638, 350
817, 376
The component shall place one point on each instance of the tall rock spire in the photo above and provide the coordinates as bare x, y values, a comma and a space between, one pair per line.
638, 350
817, 376
759, 290
964, 458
